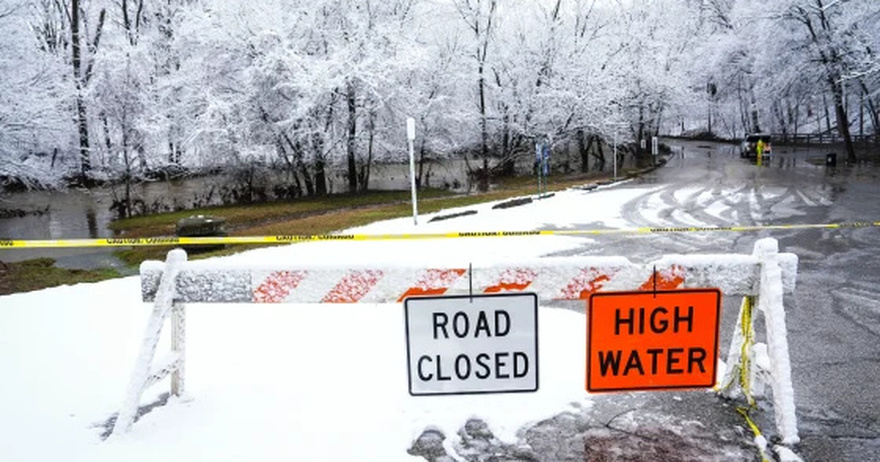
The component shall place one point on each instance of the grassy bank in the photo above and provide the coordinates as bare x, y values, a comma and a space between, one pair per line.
302, 216
38, 274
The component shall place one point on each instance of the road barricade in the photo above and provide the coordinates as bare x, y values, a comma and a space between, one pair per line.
762, 278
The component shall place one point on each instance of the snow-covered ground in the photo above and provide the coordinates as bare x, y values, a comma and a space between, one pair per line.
278, 382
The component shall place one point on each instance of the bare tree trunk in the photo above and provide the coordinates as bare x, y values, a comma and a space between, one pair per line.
307, 178
81, 112
364, 175
351, 99
320, 161
421, 167
289, 167
583, 150
293, 162
756, 125
126, 157
601, 155
108, 144
827, 114
873, 112
842, 120
483, 183
640, 136
861, 113
743, 110
320, 167
509, 143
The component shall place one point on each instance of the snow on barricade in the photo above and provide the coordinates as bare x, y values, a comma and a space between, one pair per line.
554, 278
764, 275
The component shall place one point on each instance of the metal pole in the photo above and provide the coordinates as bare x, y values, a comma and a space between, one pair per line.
411, 136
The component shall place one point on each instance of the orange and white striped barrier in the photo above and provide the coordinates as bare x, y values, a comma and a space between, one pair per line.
557, 278
172, 284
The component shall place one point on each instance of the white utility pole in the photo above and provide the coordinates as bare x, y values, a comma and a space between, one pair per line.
411, 136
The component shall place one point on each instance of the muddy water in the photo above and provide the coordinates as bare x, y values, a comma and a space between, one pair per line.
82, 213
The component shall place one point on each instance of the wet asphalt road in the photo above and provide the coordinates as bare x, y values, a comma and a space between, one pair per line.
833, 318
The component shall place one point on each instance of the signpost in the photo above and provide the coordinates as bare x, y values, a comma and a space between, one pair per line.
652, 340
655, 150
472, 344
411, 136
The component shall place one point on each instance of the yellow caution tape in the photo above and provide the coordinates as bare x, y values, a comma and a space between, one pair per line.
757, 431
748, 341
289, 238
748, 305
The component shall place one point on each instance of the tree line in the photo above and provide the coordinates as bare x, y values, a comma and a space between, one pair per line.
104, 90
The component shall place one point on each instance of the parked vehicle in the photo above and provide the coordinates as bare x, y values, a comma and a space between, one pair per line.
749, 148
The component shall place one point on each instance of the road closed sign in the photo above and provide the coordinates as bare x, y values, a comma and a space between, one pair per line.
472, 344
652, 340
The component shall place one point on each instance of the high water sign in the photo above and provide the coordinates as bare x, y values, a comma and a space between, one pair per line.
652, 340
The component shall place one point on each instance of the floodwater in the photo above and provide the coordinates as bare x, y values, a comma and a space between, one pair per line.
84, 213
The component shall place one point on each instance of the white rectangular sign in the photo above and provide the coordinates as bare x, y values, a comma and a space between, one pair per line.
472, 344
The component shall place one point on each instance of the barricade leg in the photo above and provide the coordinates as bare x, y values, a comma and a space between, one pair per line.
770, 303
142, 376
743, 373
178, 347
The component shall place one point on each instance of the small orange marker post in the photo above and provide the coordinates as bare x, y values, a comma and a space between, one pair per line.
659, 340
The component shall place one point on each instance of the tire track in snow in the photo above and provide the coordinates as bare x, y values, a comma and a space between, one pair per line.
859, 303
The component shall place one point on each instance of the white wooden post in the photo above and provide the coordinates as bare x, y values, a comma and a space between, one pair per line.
410, 137
778, 371
770, 303
178, 347
142, 376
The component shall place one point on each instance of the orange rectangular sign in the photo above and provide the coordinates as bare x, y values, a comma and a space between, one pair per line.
652, 340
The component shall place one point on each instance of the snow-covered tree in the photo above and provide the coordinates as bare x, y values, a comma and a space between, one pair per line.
34, 128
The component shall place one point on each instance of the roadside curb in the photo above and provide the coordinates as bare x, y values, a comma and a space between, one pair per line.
525, 200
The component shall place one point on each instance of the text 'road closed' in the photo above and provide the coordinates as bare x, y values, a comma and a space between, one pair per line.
652, 340
479, 344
